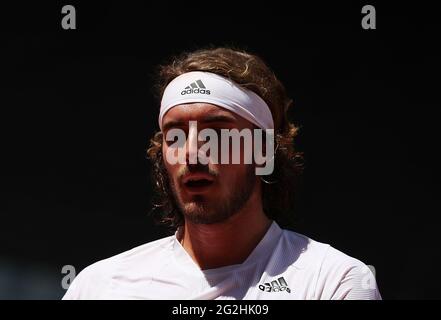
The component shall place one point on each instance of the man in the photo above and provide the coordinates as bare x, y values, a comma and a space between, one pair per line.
228, 243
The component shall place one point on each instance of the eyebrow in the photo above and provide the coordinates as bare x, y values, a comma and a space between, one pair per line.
171, 124
207, 119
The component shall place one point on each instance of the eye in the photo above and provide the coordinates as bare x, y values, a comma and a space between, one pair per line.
175, 135
217, 130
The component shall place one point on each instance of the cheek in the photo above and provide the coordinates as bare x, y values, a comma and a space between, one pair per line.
231, 175
169, 167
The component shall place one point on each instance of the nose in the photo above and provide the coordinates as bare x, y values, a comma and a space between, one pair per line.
192, 147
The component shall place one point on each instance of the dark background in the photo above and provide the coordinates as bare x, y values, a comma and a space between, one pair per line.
77, 111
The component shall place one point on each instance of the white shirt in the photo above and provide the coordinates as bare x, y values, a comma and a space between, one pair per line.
284, 265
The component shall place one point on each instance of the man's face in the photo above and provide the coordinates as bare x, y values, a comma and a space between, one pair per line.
209, 193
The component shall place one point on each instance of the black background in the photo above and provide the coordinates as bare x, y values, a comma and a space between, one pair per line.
77, 112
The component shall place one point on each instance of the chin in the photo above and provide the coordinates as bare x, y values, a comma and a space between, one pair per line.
195, 206
202, 198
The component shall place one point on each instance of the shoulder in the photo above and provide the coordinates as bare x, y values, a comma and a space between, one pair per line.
94, 281
334, 274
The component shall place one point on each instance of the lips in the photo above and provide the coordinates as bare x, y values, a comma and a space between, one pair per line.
197, 182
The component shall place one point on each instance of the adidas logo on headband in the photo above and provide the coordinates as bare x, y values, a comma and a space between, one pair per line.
195, 87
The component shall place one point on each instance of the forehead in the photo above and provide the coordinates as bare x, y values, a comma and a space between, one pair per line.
200, 112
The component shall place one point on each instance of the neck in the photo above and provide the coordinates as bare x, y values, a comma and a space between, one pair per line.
229, 242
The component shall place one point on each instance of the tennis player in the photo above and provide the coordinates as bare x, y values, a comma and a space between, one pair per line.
227, 216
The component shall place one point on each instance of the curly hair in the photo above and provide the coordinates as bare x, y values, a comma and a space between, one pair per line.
249, 71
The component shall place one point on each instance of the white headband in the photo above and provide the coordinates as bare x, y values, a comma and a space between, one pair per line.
198, 86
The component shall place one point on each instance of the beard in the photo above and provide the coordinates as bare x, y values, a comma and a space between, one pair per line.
202, 211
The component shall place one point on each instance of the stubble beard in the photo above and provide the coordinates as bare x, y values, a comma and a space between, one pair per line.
200, 210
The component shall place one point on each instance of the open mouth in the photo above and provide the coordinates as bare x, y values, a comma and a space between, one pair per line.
197, 183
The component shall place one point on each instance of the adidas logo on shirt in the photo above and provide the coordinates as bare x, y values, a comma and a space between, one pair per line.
275, 286
195, 87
